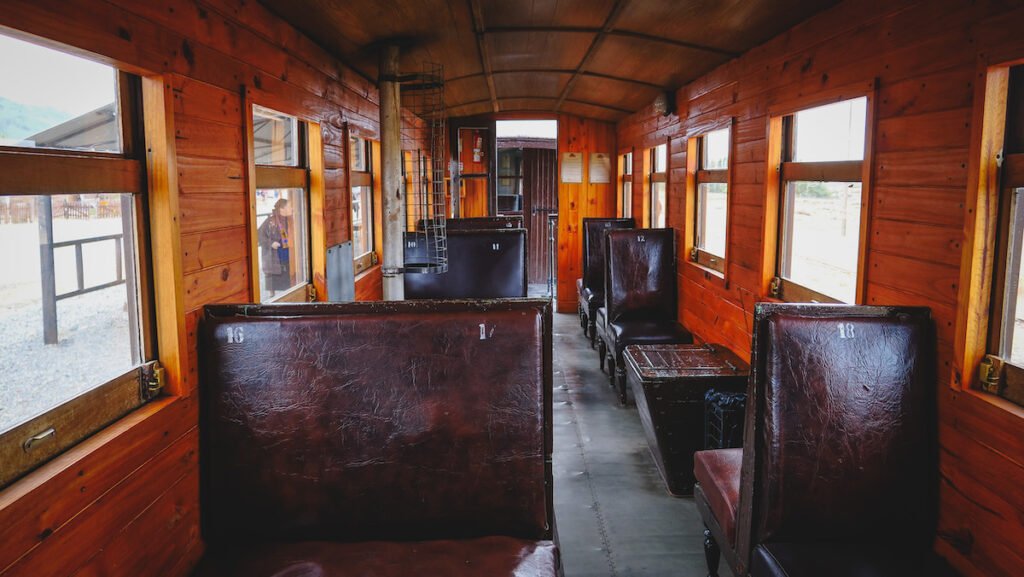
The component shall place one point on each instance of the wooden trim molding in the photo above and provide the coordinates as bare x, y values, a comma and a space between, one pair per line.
60, 174
977, 258
165, 231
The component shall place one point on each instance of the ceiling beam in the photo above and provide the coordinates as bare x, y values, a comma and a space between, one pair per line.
559, 71
529, 97
673, 42
609, 22
485, 60
613, 32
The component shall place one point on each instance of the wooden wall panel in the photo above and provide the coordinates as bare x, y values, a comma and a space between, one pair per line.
370, 285
125, 502
924, 57
579, 201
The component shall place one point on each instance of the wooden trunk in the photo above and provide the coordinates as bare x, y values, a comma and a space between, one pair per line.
669, 383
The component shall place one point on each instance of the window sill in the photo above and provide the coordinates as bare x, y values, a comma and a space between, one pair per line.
367, 272
709, 275
1009, 407
86, 471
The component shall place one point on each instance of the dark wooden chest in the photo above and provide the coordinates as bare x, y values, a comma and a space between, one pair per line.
669, 383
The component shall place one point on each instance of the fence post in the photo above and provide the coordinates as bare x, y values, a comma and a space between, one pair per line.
44, 209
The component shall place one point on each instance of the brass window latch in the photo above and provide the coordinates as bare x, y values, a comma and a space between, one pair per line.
990, 374
775, 288
153, 380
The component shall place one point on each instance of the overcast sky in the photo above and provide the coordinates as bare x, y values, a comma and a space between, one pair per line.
38, 76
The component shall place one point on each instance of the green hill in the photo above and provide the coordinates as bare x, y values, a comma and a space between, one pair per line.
18, 121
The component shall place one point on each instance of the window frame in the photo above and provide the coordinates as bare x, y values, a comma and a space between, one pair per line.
624, 204
696, 175
309, 170
49, 172
652, 177
992, 178
781, 170
365, 178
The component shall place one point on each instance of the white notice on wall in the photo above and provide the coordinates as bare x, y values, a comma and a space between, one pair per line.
600, 168
572, 167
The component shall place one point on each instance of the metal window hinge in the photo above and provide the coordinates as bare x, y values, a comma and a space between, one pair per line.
152, 381
311, 293
693, 254
775, 288
373, 258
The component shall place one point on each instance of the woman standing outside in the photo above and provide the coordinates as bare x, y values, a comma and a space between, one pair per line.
274, 248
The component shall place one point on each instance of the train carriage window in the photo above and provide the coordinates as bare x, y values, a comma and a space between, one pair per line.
658, 182
76, 346
821, 203
362, 183
999, 346
710, 188
282, 205
626, 185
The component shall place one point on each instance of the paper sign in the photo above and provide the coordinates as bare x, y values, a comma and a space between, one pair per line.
600, 168
572, 167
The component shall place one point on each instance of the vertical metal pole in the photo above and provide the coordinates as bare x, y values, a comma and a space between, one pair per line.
392, 201
47, 274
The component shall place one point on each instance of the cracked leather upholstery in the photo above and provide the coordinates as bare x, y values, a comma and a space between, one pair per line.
844, 560
718, 473
402, 421
846, 448
484, 222
592, 290
482, 264
484, 557
640, 274
640, 294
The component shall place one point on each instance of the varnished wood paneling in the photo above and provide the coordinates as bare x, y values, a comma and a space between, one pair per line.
125, 502
924, 58
579, 201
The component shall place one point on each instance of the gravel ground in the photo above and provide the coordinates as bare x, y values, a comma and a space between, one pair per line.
93, 342
92, 348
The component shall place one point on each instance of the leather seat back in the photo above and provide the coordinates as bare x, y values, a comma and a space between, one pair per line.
367, 421
485, 222
594, 247
481, 264
640, 274
844, 423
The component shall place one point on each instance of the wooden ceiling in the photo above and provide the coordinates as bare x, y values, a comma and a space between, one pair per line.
595, 58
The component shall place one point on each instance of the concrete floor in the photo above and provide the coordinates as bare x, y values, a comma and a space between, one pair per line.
613, 514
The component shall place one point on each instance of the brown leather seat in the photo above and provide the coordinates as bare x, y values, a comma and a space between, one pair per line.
484, 557
839, 443
845, 560
640, 295
485, 222
718, 475
351, 423
482, 264
591, 291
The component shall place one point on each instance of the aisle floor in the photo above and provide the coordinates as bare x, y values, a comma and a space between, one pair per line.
614, 516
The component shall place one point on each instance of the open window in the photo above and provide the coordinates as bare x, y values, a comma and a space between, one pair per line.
708, 158
282, 215
78, 346
363, 184
625, 185
992, 305
657, 179
821, 201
